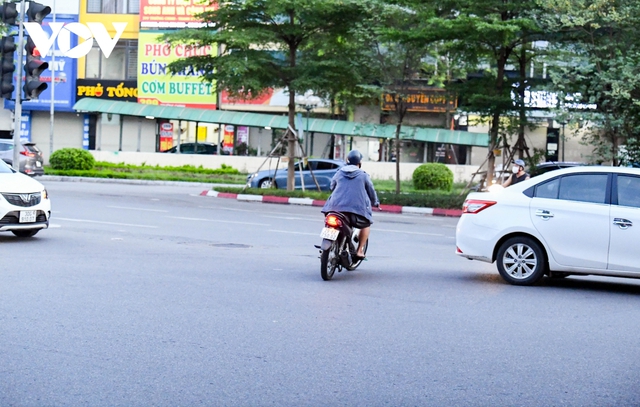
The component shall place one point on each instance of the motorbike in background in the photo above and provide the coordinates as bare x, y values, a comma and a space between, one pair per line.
339, 245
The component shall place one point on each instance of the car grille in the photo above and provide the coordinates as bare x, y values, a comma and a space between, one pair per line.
14, 217
24, 200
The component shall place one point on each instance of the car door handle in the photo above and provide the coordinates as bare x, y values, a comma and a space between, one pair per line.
544, 214
623, 223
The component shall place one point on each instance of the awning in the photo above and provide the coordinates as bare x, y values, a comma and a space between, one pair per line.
340, 127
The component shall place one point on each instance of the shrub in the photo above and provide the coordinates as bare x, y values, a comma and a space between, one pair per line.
72, 159
433, 176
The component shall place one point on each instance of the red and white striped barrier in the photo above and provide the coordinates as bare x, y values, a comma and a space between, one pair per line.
314, 202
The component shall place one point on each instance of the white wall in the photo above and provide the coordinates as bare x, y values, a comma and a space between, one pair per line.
384, 170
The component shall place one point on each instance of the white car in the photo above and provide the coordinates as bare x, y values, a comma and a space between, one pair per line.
25, 207
580, 220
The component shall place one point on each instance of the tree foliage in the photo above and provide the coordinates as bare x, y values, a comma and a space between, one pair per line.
263, 44
599, 74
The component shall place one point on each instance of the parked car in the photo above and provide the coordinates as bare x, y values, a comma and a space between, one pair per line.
25, 208
545, 167
190, 148
323, 170
580, 220
31, 160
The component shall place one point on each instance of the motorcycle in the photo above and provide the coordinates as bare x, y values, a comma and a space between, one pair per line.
339, 245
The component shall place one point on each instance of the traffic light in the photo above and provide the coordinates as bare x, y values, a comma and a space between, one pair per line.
37, 12
9, 13
7, 66
33, 86
34, 65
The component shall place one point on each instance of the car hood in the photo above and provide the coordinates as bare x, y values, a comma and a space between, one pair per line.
18, 183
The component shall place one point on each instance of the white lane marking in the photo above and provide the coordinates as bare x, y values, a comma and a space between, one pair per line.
53, 225
117, 238
319, 220
216, 220
294, 233
155, 199
137, 209
374, 229
107, 223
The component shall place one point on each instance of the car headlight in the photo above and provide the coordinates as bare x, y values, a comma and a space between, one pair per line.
252, 176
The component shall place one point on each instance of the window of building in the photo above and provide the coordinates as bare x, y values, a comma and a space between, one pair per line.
121, 64
113, 6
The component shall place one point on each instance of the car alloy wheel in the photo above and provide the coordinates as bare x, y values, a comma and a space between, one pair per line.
521, 261
266, 183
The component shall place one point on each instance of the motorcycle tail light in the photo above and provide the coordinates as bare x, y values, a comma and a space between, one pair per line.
333, 221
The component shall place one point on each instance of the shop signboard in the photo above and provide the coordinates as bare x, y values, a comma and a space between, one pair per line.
65, 74
156, 84
125, 91
422, 100
172, 13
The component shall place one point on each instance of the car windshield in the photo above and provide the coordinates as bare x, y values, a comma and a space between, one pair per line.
32, 148
4, 168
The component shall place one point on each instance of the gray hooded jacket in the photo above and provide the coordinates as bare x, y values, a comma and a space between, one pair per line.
352, 192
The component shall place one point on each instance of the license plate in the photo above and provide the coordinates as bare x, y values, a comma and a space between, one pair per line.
27, 216
329, 233
38, 164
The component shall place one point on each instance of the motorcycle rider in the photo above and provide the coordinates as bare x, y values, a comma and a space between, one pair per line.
353, 195
518, 175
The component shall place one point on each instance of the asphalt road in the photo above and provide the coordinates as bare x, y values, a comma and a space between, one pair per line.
155, 296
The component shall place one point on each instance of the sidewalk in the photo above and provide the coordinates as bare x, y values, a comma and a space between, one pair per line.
313, 202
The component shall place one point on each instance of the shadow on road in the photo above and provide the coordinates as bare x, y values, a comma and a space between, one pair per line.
602, 284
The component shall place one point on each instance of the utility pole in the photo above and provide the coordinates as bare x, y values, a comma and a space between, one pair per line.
17, 116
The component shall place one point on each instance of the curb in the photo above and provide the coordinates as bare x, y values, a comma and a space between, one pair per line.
312, 202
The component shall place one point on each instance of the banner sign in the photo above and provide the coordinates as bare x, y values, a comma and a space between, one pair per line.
126, 91
172, 13
166, 136
227, 143
85, 132
25, 127
422, 100
242, 135
65, 76
156, 85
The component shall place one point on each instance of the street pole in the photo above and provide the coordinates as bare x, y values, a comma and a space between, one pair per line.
17, 116
306, 133
53, 86
563, 141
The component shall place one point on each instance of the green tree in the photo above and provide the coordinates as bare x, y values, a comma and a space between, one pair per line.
486, 33
274, 44
397, 61
599, 76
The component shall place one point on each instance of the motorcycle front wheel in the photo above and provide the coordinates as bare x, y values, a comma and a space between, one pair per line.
329, 262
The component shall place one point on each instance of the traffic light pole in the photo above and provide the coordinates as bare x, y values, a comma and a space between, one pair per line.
17, 116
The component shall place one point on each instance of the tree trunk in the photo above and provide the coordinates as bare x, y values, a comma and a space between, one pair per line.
494, 132
521, 143
398, 127
291, 144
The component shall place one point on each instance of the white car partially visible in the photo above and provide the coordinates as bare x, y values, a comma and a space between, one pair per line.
25, 207
580, 220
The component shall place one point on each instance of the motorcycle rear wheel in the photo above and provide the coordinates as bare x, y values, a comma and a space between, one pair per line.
329, 262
